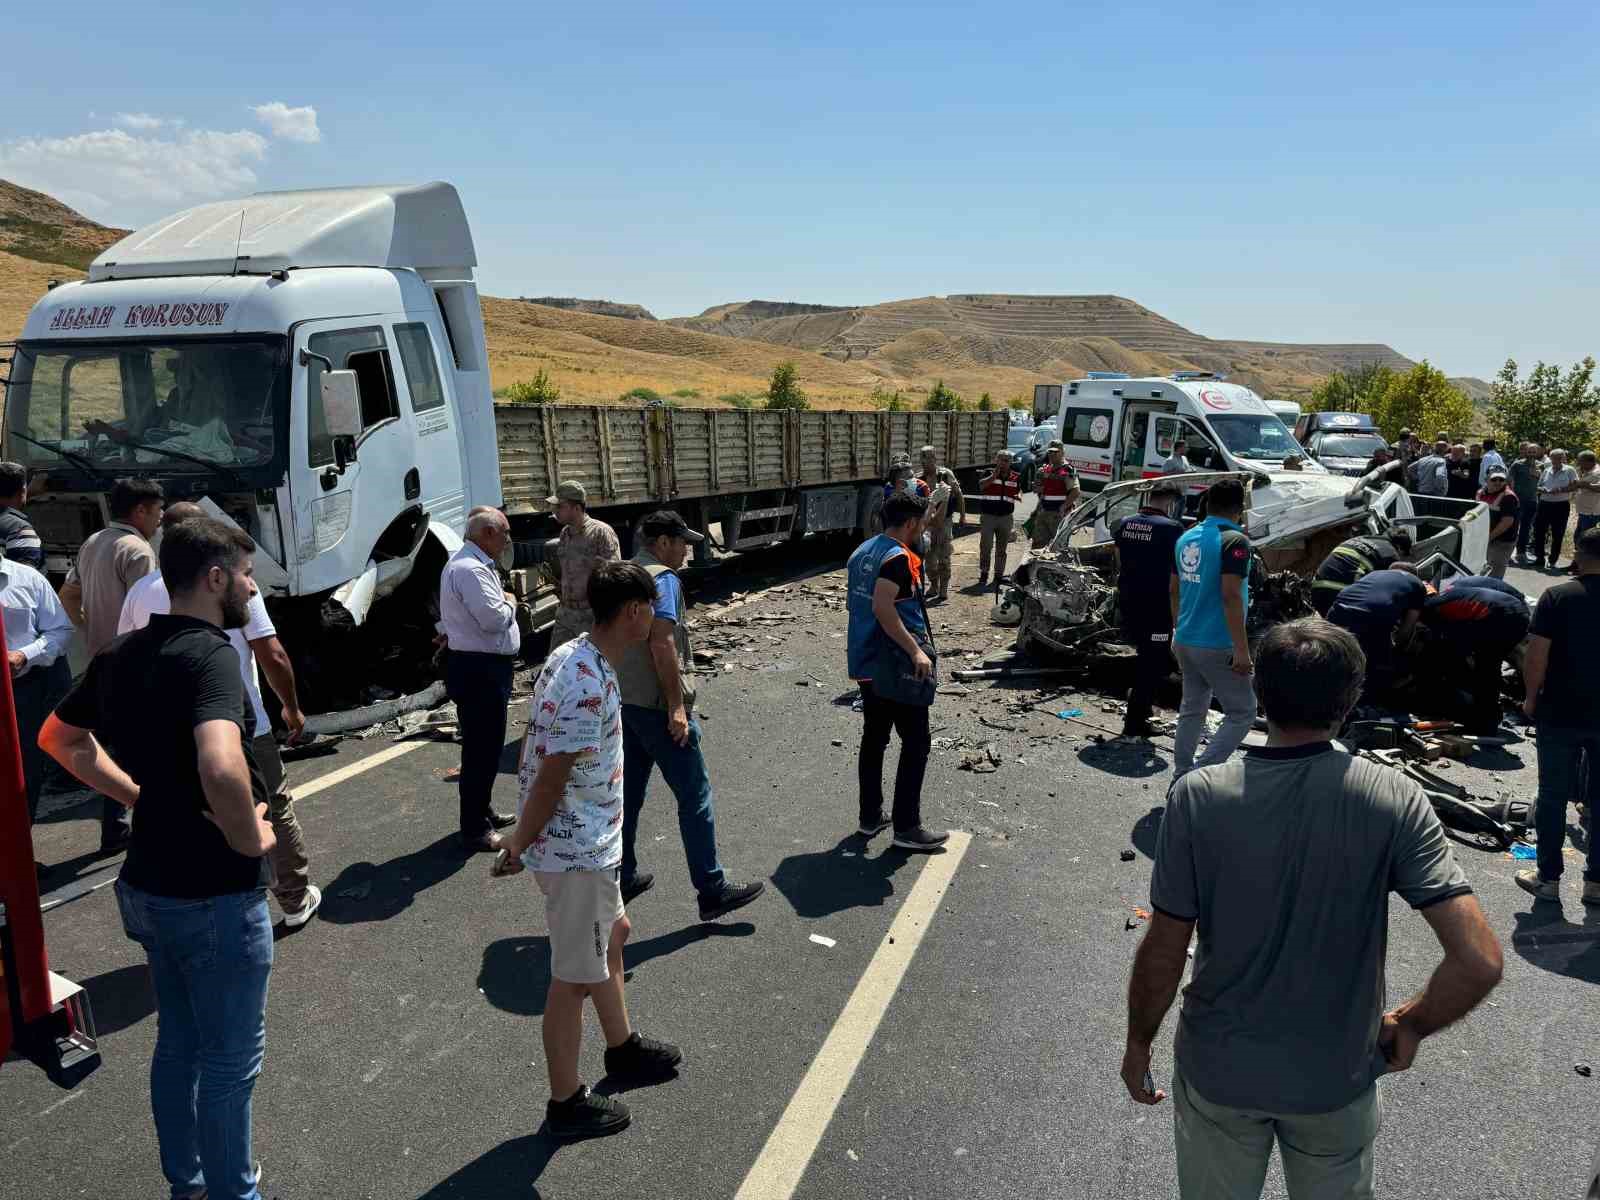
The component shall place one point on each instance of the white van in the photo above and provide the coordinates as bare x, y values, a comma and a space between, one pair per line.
1117, 429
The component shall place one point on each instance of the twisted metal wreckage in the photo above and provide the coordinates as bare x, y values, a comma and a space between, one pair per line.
1064, 601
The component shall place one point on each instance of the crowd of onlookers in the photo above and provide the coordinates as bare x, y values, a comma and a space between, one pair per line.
1533, 496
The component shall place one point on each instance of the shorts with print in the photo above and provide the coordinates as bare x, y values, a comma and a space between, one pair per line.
580, 907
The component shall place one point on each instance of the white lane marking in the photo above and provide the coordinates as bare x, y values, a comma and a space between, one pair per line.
783, 1160
334, 778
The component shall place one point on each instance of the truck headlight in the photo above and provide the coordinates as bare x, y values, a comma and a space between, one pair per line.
330, 517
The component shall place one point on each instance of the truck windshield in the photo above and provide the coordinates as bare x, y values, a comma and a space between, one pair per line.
1254, 437
147, 404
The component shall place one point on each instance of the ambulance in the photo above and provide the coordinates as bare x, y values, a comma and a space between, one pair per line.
1121, 428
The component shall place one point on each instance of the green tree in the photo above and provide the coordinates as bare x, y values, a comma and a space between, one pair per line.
1424, 401
942, 399
985, 404
1361, 390
538, 390
1548, 406
784, 389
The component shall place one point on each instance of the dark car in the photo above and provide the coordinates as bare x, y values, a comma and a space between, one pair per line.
1023, 458
1345, 452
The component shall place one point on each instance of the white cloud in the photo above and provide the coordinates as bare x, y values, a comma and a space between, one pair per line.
142, 122
290, 124
123, 177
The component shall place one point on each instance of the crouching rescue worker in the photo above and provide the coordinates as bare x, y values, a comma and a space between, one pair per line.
1380, 609
1354, 559
1475, 627
1145, 545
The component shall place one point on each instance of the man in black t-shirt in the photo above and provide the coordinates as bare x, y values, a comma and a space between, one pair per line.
1560, 673
1378, 608
1145, 564
160, 723
1461, 476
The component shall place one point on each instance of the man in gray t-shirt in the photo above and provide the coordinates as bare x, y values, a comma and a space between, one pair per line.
1284, 862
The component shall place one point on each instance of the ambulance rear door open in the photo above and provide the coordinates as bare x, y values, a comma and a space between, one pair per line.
1136, 437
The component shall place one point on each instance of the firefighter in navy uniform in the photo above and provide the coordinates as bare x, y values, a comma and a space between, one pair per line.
1355, 558
1145, 545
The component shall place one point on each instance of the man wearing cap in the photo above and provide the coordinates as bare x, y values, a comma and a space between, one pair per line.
1057, 485
944, 488
584, 543
659, 728
1505, 512
997, 504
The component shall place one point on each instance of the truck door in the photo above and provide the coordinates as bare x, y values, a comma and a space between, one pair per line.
339, 514
438, 448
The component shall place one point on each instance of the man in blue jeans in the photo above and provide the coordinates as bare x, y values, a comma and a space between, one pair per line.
193, 888
659, 729
1559, 669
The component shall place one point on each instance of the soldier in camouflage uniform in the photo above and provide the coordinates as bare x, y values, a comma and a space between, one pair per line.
584, 542
944, 491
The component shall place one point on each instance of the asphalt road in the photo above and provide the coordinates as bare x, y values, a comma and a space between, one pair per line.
403, 1057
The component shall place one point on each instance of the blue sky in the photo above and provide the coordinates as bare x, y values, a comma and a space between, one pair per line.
1421, 174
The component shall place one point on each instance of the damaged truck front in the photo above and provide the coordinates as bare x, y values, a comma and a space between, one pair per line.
1066, 595
308, 365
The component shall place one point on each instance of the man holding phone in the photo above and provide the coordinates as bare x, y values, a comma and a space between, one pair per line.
1283, 862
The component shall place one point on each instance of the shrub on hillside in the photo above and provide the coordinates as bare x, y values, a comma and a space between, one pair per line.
784, 389
888, 401
642, 394
737, 400
687, 393
985, 404
538, 390
942, 399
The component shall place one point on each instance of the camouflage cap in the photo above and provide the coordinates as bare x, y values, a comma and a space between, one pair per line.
569, 489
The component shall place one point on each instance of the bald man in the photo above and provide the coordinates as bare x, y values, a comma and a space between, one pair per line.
478, 618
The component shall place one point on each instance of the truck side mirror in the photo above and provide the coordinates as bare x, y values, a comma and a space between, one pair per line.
341, 403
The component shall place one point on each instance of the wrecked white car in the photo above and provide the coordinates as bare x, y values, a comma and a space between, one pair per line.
1068, 593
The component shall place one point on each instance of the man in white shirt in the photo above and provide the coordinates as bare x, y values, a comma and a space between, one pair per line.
1586, 495
1557, 483
257, 642
478, 618
37, 632
1492, 461
1178, 463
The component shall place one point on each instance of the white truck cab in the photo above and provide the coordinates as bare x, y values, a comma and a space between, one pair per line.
311, 363
1121, 428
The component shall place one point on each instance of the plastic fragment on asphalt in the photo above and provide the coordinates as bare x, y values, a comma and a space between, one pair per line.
823, 941
1524, 852
853, 1156
1583, 1069
1127, 856
1067, 714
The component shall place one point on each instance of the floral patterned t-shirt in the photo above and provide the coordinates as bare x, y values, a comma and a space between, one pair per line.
576, 709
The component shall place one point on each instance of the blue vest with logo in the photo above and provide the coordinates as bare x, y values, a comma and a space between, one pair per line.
866, 637
1201, 621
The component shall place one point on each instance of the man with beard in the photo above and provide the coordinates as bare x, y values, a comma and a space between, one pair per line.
160, 724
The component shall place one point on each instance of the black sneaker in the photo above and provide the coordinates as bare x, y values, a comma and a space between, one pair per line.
642, 1060
920, 840
586, 1115
500, 820
638, 885
729, 897
873, 828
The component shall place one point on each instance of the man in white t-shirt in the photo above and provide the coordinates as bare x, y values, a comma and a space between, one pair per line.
256, 643
569, 834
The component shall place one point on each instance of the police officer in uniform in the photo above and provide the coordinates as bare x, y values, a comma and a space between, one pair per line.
1057, 485
1354, 559
1145, 563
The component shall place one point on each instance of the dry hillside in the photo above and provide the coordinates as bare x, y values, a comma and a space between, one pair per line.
40, 227
596, 350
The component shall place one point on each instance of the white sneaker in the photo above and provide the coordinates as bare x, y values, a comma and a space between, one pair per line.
293, 920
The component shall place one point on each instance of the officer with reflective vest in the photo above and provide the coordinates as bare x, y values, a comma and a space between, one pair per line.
1146, 544
998, 493
1354, 559
888, 652
1057, 485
